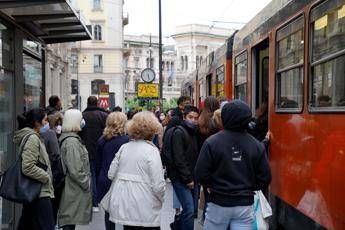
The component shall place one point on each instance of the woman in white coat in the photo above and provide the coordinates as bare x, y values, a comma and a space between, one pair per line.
137, 173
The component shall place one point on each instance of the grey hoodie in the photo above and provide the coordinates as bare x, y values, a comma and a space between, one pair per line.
34, 151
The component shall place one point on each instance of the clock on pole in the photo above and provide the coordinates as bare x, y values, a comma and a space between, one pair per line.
148, 75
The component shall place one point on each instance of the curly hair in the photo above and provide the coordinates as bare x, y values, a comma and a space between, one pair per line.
143, 126
115, 125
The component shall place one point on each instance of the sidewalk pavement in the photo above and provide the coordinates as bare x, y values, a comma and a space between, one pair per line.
167, 216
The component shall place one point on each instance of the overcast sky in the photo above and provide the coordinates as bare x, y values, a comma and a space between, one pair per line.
143, 14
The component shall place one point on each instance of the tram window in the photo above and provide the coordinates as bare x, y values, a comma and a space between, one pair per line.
328, 56
289, 78
241, 69
220, 81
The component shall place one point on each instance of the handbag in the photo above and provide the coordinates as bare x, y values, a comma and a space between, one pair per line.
262, 210
17, 187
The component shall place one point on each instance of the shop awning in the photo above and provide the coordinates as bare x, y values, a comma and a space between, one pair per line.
53, 21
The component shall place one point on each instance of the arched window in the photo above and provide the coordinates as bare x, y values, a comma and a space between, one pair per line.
186, 62
97, 30
200, 60
182, 63
168, 66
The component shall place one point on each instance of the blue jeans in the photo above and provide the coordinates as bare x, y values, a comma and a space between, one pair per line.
188, 199
176, 202
93, 183
234, 218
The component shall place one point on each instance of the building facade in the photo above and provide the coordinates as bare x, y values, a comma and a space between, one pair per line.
141, 52
99, 61
26, 29
191, 45
58, 75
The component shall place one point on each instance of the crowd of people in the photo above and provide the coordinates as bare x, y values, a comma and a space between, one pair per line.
122, 163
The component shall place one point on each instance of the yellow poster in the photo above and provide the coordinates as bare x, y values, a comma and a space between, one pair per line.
148, 90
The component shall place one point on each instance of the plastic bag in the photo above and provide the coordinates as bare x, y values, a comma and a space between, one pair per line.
262, 210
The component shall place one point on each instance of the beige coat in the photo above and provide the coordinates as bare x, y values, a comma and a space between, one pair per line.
76, 203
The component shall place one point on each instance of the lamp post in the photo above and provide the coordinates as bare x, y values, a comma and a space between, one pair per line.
160, 57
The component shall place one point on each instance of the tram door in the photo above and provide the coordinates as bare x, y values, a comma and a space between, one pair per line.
260, 82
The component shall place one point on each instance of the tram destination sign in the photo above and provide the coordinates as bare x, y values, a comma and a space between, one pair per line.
148, 90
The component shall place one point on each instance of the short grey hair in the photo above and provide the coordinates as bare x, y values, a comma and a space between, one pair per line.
71, 121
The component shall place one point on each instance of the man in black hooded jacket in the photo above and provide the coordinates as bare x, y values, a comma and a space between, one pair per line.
231, 165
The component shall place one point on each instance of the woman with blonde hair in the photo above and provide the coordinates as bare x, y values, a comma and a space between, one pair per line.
137, 174
109, 144
76, 203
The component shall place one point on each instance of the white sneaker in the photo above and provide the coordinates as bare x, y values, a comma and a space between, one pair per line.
95, 209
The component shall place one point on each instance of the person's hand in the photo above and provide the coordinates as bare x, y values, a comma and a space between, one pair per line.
208, 190
190, 185
268, 135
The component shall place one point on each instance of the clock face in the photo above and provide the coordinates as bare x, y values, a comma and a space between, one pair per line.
148, 75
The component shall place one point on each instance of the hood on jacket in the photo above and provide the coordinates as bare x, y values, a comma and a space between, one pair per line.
190, 127
236, 115
20, 134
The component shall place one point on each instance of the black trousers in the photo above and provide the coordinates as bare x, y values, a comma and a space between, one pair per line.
37, 215
68, 227
108, 224
140, 228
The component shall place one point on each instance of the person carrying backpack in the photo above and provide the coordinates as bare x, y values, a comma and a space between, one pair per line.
180, 156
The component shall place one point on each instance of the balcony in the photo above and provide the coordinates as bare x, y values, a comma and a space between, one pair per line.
98, 69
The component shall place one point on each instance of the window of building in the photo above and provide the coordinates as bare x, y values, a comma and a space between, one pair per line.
136, 62
220, 81
328, 56
97, 30
33, 82
147, 62
96, 4
172, 66
186, 62
289, 78
74, 63
163, 65
241, 68
197, 62
95, 86
98, 63
200, 60
182, 63
125, 63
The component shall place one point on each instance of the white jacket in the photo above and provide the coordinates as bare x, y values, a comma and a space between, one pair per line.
138, 185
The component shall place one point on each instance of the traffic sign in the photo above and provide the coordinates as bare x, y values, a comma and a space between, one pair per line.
103, 102
103, 89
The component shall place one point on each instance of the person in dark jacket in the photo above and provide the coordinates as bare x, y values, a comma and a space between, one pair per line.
184, 156
55, 105
50, 138
107, 146
231, 165
95, 119
177, 113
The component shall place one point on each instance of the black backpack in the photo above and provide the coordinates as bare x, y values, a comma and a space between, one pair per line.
167, 153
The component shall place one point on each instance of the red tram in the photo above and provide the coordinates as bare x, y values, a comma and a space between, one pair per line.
292, 56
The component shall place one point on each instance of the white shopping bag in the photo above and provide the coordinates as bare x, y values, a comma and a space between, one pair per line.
262, 210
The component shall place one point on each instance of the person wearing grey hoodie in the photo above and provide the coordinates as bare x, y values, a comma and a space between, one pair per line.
37, 214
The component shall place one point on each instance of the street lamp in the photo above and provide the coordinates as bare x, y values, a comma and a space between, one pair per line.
160, 56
